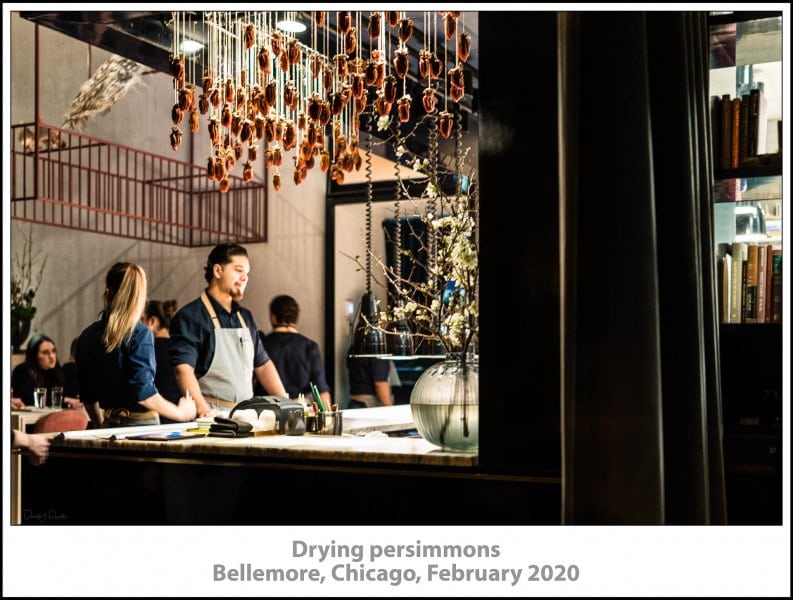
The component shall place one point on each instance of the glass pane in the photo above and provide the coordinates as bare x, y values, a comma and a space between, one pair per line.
722, 45
748, 209
758, 41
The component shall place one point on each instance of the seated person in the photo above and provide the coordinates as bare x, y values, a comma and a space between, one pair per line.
369, 382
41, 369
295, 356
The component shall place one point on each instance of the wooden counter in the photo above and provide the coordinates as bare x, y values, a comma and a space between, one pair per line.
361, 477
360, 442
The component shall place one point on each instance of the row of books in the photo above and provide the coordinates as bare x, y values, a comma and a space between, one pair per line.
749, 283
739, 128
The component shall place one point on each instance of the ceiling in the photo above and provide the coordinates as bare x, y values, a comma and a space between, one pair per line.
147, 37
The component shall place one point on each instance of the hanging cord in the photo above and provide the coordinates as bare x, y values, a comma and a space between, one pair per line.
432, 143
458, 151
369, 196
397, 224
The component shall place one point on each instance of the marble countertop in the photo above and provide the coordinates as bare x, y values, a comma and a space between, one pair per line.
361, 442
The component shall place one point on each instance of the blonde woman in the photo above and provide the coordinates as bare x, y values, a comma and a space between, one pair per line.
115, 359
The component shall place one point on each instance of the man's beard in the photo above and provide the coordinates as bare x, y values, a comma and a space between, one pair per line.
237, 295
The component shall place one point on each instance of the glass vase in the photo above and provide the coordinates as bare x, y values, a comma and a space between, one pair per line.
445, 404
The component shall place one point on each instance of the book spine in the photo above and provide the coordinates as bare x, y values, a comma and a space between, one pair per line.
762, 123
738, 252
726, 131
769, 282
735, 135
724, 282
715, 129
758, 124
762, 267
744, 130
750, 291
743, 291
776, 286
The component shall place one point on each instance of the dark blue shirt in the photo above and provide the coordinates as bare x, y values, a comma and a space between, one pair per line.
193, 335
164, 379
298, 362
364, 372
121, 378
71, 388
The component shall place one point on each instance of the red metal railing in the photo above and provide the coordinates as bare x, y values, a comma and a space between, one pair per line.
72, 180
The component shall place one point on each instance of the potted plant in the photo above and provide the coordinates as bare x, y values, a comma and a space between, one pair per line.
444, 307
26, 274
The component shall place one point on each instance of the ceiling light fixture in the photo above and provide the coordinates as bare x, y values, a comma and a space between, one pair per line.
190, 46
291, 26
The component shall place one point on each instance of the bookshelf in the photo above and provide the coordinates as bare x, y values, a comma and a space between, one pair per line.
746, 76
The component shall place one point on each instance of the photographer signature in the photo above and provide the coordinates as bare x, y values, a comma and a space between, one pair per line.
42, 517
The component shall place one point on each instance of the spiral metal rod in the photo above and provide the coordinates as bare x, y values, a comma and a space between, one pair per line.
397, 223
369, 196
458, 151
432, 145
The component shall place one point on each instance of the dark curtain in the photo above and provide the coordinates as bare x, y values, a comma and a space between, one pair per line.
640, 395
519, 245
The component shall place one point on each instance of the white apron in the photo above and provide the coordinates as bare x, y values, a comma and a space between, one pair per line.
230, 376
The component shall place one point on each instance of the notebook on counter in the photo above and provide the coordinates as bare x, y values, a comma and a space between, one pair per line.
165, 436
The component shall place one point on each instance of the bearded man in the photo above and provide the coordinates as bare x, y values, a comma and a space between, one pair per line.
215, 347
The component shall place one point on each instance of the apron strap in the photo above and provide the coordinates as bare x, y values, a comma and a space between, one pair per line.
210, 309
213, 315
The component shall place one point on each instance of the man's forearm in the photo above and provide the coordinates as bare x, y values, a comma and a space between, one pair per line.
186, 381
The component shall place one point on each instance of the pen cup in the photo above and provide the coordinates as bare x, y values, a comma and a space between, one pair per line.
328, 423
312, 424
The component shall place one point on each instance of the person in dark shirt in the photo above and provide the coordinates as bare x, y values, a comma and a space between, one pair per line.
369, 385
71, 387
42, 369
157, 317
296, 357
115, 358
215, 349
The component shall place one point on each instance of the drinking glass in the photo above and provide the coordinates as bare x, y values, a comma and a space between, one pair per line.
56, 397
40, 397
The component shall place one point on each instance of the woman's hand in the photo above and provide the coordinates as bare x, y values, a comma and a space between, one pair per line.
187, 408
17, 404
